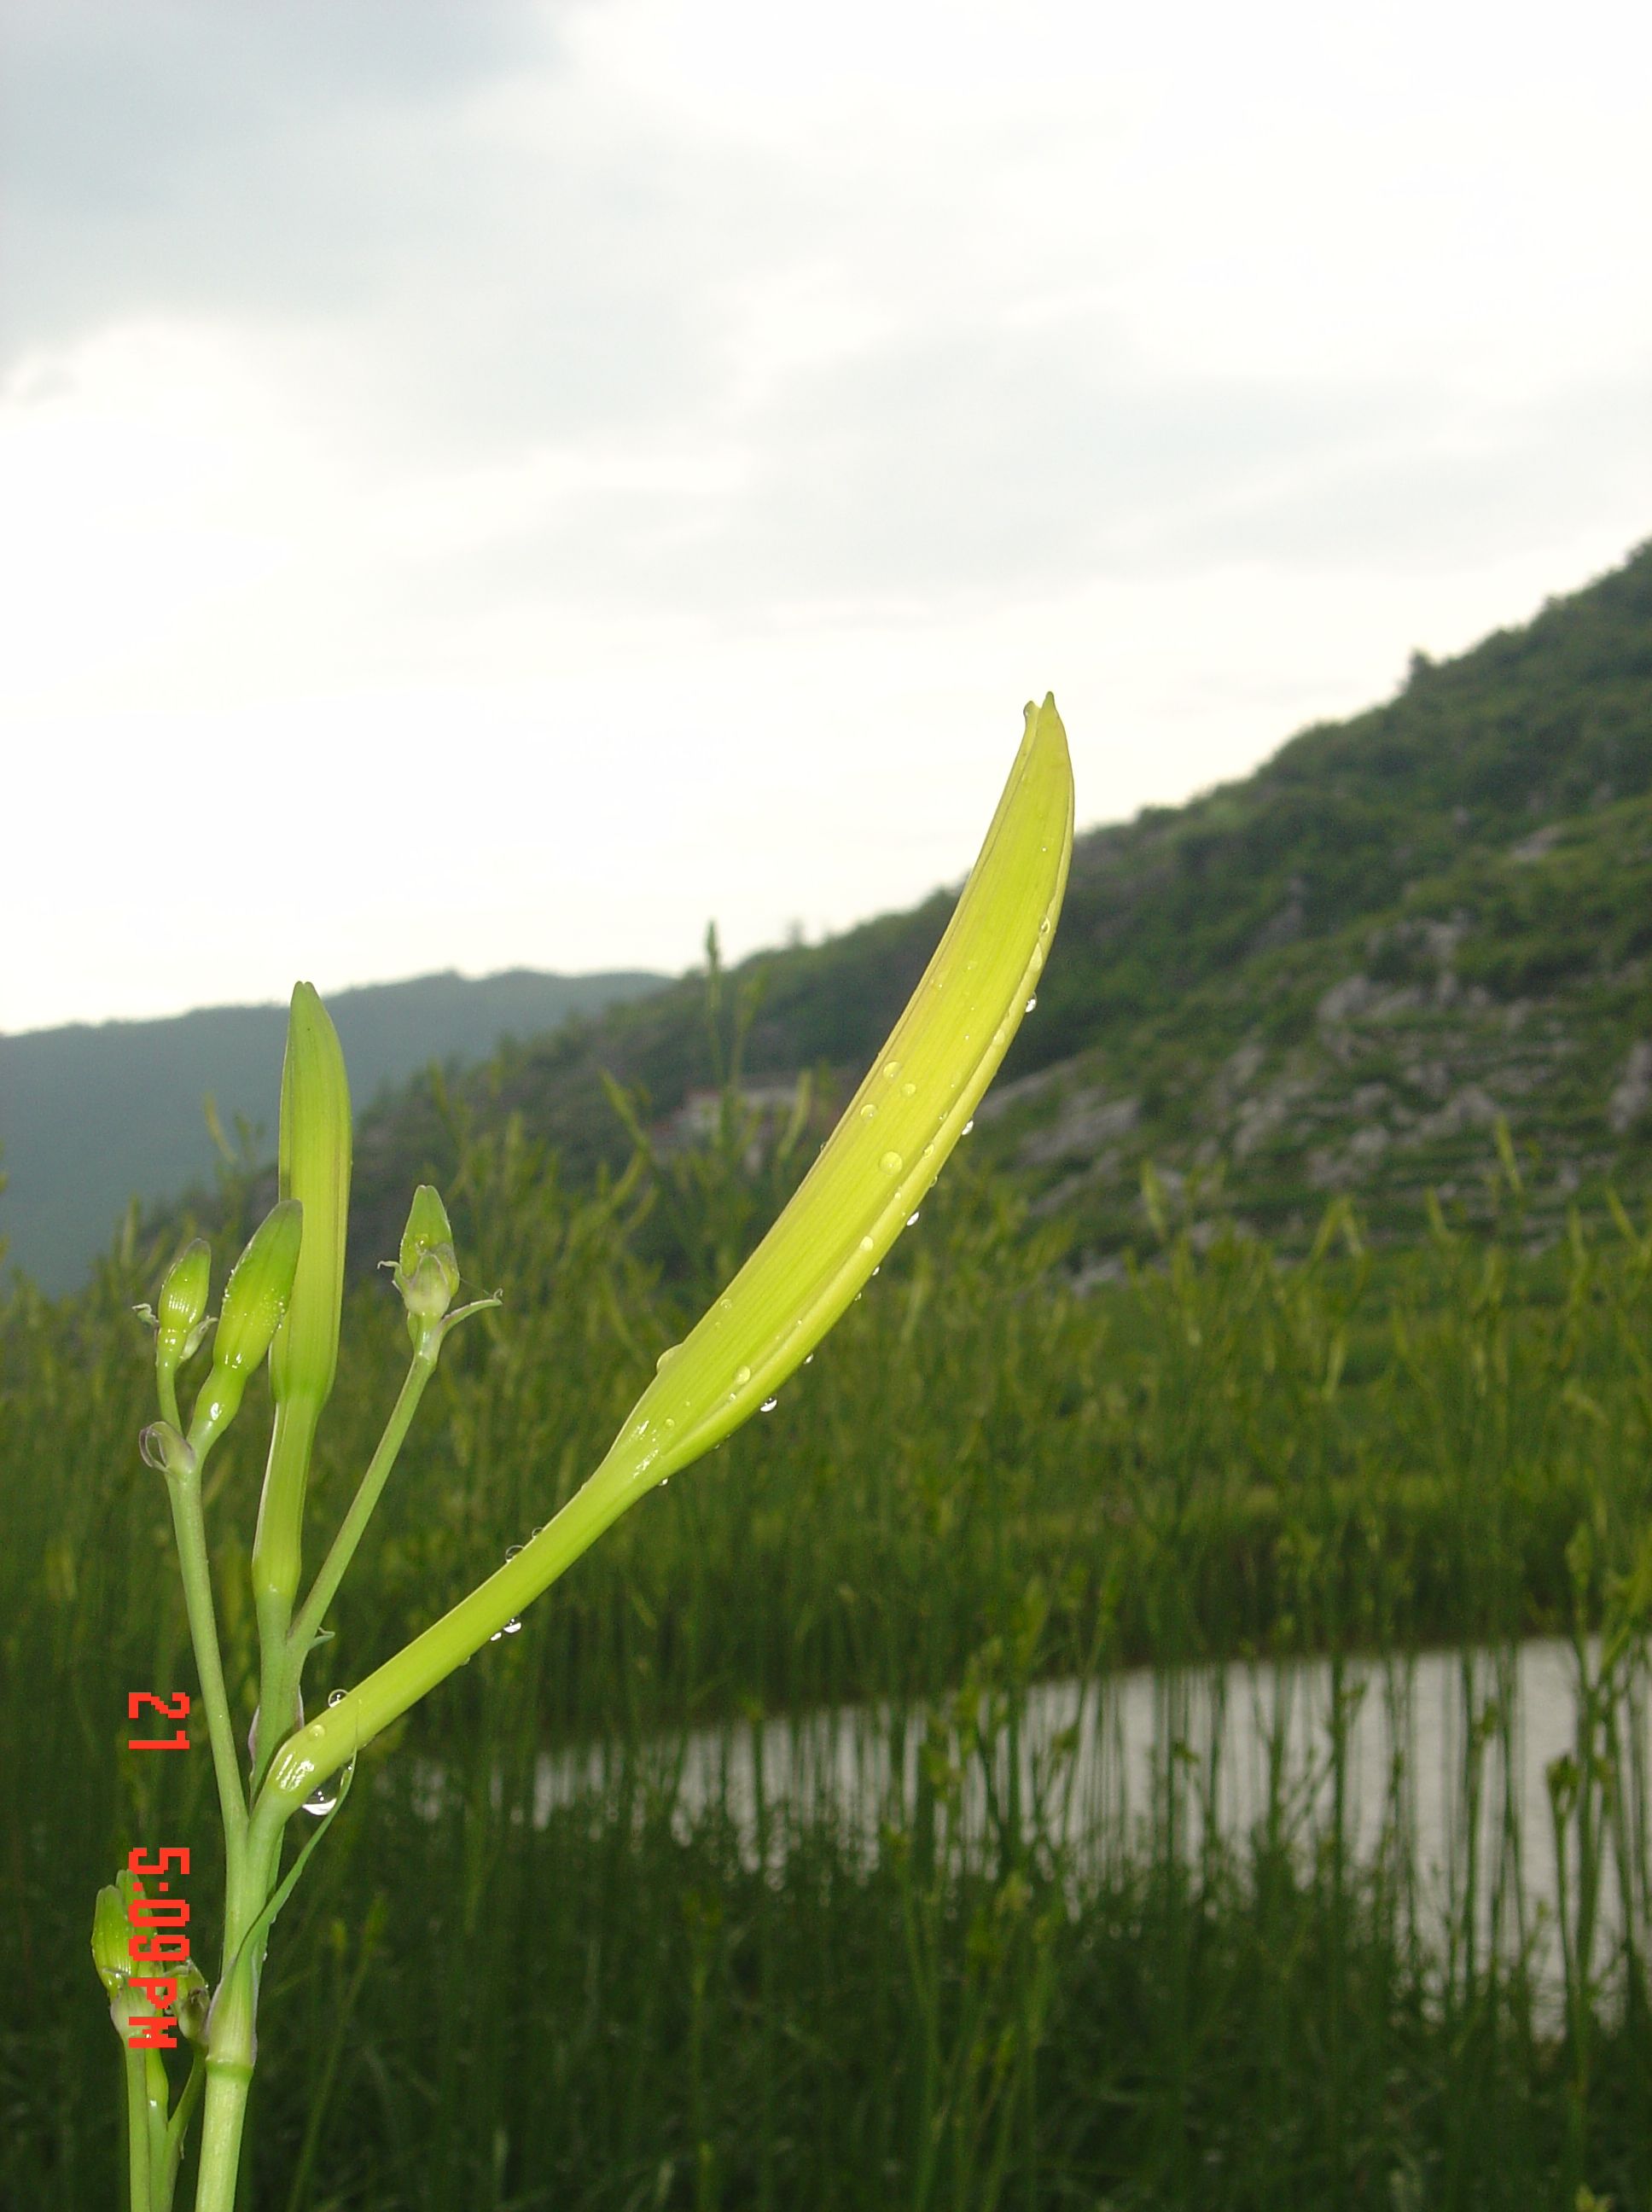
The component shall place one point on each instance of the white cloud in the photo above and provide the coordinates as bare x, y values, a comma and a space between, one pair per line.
648, 444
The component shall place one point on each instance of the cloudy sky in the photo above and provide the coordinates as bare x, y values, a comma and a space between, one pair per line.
503, 484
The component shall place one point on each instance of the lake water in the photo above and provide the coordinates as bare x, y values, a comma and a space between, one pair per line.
1110, 1763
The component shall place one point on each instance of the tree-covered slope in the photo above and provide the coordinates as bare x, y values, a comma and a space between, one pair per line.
1338, 972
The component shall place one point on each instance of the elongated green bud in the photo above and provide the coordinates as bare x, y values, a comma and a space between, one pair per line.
314, 1162
427, 1273
260, 1290
915, 1103
256, 1297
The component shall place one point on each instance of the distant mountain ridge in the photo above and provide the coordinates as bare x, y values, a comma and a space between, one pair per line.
92, 1116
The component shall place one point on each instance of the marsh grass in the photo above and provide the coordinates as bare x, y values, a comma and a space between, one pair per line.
979, 1483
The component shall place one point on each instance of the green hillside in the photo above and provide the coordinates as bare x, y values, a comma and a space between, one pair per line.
1339, 974
92, 1117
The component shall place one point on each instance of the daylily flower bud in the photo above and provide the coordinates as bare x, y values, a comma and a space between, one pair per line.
255, 1298
110, 1931
180, 1322
426, 1274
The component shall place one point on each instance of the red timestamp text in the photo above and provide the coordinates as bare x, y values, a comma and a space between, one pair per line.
159, 1922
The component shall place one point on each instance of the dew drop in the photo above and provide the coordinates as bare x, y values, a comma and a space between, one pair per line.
512, 1553
336, 1696
869, 1112
321, 1799
742, 1376
911, 1218
1031, 1002
669, 1353
968, 1125
865, 1244
768, 1405
1044, 926
890, 1163
908, 1089
807, 1358
878, 1269
512, 1627
724, 1305
891, 1069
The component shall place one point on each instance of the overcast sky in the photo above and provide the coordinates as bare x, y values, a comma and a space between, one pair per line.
491, 485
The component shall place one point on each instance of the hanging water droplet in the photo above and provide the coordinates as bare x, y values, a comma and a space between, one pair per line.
512, 1553
912, 1216
878, 1269
768, 1405
669, 1353
890, 1163
807, 1358
1032, 1002
321, 1799
512, 1627
336, 1696
968, 1125
538, 1532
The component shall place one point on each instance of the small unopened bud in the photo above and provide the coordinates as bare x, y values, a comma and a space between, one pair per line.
256, 1295
180, 1323
110, 1931
427, 1273
194, 2000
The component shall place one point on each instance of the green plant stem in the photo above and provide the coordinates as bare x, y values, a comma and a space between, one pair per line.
276, 1551
313, 1752
326, 1586
137, 2131
178, 2126
158, 2095
189, 1525
232, 2028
